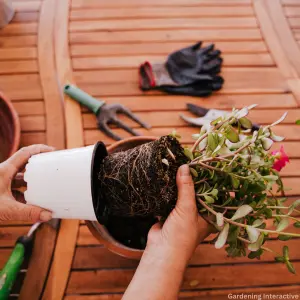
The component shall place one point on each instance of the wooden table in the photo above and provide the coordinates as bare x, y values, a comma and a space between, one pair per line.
99, 45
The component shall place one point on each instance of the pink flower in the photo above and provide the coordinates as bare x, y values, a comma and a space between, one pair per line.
281, 159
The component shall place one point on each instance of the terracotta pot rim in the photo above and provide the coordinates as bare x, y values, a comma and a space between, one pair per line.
16, 123
109, 241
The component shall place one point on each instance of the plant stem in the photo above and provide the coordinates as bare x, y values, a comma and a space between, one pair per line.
287, 216
244, 225
201, 138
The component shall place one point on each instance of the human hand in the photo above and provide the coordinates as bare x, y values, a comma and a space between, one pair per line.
14, 208
184, 229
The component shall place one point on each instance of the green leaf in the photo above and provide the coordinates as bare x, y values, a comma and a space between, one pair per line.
214, 192
194, 172
209, 199
253, 234
256, 246
270, 177
279, 120
216, 121
211, 141
284, 237
283, 224
220, 219
280, 259
255, 254
175, 134
297, 224
297, 122
242, 113
235, 182
222, 237
294, 205
266, 143
290, 267
246, 123
242, 211
285, 251
231, 134
268, 213
257, 222
188, 153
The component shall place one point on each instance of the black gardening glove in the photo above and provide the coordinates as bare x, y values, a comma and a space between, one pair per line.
187, 66
201, 88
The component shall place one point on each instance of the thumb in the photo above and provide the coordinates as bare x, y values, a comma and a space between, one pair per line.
17, 211
186, 193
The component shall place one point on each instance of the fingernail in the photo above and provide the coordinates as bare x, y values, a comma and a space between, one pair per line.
45, 216
184, 170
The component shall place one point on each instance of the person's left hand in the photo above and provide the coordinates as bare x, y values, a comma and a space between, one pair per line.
10, 209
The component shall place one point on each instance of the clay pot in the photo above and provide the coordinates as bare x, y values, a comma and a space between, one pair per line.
10, 129
99, 231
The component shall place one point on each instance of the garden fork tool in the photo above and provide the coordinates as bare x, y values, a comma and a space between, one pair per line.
21, 250
105, 113
206, 116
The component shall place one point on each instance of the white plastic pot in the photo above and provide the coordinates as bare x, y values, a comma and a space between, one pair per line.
62, 182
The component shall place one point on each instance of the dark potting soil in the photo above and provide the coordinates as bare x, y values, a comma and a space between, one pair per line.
137, 186
130, 231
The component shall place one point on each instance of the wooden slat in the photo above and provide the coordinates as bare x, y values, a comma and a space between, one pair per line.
205, 254
24, 6
21, 66
172, 118
209, 277
292, 169
33, 123
258, 59
30, 138
19, 29
124, 3
18, 41
18, 53
4, 256
169, 102
191, 35
66, 242
149, 24
285, 35
215, 294
271, 38
86, 238
291, 133
22, 17
237, 80
160, 12
29, 108
160, 48
9, 235
294, 22
21, 87
290, 2
292, 11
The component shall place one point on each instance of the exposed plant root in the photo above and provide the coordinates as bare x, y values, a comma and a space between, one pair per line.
137, 182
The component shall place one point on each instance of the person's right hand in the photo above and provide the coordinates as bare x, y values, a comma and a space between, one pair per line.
184, 228
14, 208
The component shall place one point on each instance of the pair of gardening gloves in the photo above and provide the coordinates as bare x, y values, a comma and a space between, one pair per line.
190, 71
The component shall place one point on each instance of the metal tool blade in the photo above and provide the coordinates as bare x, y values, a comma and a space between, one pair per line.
197, 110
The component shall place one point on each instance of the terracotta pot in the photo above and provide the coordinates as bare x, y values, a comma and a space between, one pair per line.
10, 129
99, 231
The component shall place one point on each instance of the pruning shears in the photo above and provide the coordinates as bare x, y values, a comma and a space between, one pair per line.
206, 116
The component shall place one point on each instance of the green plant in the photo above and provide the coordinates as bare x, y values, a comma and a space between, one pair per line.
237, 181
